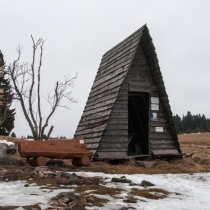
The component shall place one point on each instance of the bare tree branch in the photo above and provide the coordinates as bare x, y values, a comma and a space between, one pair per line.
38, 91
28, 91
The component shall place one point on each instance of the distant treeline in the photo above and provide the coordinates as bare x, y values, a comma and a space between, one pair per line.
191, 123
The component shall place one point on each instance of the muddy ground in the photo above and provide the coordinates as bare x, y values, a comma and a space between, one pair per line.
197, 159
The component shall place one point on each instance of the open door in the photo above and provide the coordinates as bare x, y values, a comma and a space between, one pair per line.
138, 123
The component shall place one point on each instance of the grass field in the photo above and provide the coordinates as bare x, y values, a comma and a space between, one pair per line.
196, 147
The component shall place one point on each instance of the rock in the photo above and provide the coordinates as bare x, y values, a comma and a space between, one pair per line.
32, 207
146, 164
53, 203
72, 204
43, 172
14, 161
72, 177
145, 183
70, 195
2, 150
11, 149
114, 179
129, 201
127, 208
63, 181
189, 156
63, 201
4, 161
8, 207
50, 173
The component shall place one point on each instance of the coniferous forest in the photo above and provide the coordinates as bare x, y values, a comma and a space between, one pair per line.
191, 123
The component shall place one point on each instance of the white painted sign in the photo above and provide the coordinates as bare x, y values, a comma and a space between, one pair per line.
154, 100
159, 129
155, 107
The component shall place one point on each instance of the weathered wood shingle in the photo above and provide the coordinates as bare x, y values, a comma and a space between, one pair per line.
111, 73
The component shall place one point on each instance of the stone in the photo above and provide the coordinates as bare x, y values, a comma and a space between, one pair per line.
72, 176
114, 179
72, 204
129, 201
2, 150
146, 164
9, 207
14, 161
63, 181
11, 149
32, 207
145, 183
4, 161
127, 208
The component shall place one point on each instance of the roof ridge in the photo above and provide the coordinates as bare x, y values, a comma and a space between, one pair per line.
137, 31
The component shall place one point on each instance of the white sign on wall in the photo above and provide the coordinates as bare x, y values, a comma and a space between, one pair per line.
155, 107
159, 129
154, 100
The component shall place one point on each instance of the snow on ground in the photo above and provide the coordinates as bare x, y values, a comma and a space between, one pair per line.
194, 191
6, 142
187, 191
16, 194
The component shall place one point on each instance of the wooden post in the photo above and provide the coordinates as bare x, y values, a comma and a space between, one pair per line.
84, 161
38, 161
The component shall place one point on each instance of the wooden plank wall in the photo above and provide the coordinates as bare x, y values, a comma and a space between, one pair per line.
114, 143
165, 142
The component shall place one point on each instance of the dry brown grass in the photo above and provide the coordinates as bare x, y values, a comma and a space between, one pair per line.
198, 144
152, 193
98, 189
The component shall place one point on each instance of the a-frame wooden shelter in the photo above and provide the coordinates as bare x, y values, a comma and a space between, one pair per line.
127, 113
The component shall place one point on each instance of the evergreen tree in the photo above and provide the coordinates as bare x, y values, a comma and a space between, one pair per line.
8, 124
191, 123
13, 135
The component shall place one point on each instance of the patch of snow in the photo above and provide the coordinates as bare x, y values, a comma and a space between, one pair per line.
6, 142
186, 191
16, 194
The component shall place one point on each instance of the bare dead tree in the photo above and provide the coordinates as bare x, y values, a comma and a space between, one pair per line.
26, 83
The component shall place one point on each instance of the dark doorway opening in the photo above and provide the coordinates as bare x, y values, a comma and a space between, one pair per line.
138, 123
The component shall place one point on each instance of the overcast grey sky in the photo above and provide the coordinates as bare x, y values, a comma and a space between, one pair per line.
79, 32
